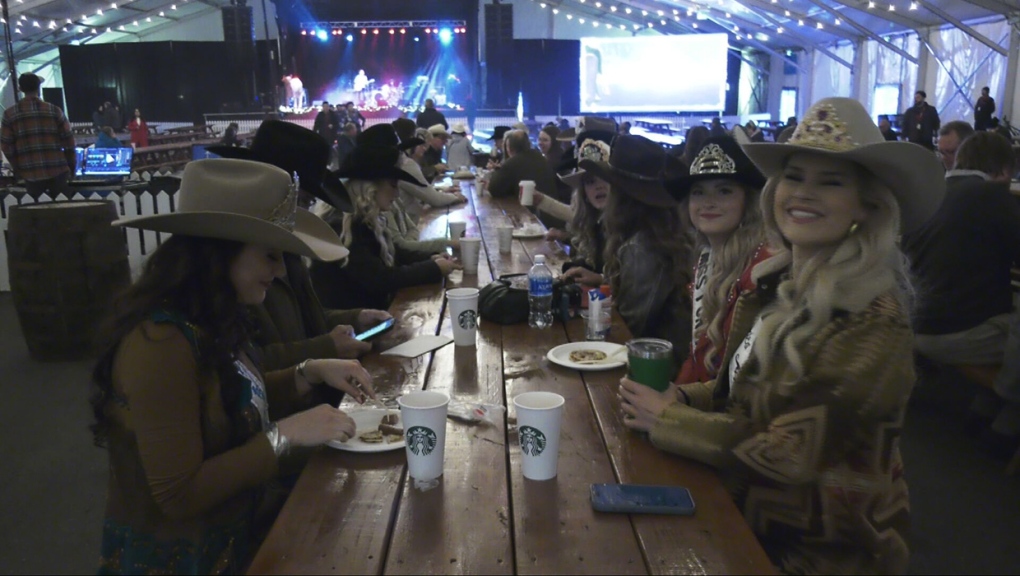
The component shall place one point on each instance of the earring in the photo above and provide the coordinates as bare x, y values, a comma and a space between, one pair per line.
853, 229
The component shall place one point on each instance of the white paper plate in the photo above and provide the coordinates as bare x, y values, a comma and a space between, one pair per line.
561, 355
529, 232
367, 421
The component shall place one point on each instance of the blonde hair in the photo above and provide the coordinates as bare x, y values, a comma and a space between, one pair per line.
847, 276
366, 209
726, 265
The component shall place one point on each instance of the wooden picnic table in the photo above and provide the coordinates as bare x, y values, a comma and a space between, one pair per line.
359, 513
655, 125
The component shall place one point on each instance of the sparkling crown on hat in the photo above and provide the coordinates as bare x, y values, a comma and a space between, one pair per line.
594, 150
285, 213
713, 160
822, 128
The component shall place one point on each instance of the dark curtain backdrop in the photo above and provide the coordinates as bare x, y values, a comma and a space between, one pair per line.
169, 81
544, 71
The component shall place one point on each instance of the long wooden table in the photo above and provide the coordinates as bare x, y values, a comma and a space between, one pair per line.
359, 513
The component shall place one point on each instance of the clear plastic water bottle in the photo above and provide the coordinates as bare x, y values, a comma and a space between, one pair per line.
540, 280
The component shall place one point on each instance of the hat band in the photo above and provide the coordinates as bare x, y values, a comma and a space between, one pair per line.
634, 175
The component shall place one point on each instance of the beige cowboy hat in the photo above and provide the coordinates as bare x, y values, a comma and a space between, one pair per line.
244, 201
438, 131
842, 128
458, 128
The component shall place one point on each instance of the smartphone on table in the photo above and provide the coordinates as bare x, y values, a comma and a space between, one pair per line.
642, 499
377, 329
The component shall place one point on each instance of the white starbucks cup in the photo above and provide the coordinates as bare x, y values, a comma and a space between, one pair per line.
463, 305
539, 415
469, 249
527, 192
457, 229
424, 416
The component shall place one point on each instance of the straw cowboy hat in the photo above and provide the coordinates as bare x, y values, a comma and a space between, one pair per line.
244, 201
375, 157
636, 167
594, 149
458, 128
294, 149
719, 158
842, 128
586, 124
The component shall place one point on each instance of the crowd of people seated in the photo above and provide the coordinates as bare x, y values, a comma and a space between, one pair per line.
796, 280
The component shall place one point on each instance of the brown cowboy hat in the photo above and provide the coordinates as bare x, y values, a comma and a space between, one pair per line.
297, 149
244, 201
636, 167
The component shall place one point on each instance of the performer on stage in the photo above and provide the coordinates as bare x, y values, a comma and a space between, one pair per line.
361, 83
295, 91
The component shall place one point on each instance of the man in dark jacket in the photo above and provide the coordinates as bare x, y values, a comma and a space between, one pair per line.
327, 124
430, 116
983, 110
523, 163
961, 260
921, 122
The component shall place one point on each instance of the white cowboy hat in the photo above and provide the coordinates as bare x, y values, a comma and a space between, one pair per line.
437, 130
458, 128
244, 201
842, 128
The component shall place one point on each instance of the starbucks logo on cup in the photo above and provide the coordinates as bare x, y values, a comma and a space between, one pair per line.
532, 441
421, 440
467, 320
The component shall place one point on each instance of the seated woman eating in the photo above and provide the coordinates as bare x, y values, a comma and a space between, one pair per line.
195, 430
804, 416
376, 268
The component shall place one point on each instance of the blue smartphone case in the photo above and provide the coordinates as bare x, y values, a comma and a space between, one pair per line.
641, 499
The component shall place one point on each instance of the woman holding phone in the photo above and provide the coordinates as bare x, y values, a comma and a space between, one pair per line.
195, 430
804, 416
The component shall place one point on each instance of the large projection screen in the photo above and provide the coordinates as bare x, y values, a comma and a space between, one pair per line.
654, 74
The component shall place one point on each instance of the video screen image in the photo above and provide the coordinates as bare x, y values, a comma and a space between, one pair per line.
653, 74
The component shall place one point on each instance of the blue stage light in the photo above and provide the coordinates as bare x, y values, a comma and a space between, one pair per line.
350, 38
321, 35
445, 36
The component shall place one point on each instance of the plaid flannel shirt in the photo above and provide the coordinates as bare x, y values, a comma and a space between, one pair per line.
34, 136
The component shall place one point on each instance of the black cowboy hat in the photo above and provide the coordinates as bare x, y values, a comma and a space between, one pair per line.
499, 131
375, 157
719, 157
294, 149
405, 129
636, 167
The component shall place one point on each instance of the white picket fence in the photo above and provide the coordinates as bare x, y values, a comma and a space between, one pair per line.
140, 243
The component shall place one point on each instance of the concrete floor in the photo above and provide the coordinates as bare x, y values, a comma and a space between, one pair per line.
53, 480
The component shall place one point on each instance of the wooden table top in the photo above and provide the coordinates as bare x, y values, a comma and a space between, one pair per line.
358, 513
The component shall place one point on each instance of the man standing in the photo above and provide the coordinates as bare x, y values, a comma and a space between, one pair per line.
921, 122
327, 124
345, 142
36, 138
354, 115
430, 116
950, 137
983, 110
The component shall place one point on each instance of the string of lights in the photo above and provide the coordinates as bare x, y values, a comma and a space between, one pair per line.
26, 27
688, 14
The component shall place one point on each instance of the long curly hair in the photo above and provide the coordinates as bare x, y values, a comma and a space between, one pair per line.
847, 276
366, 210
625, 217
583, 227
726, 265
189, 276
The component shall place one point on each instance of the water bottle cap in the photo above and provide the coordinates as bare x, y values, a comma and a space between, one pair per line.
540, 259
